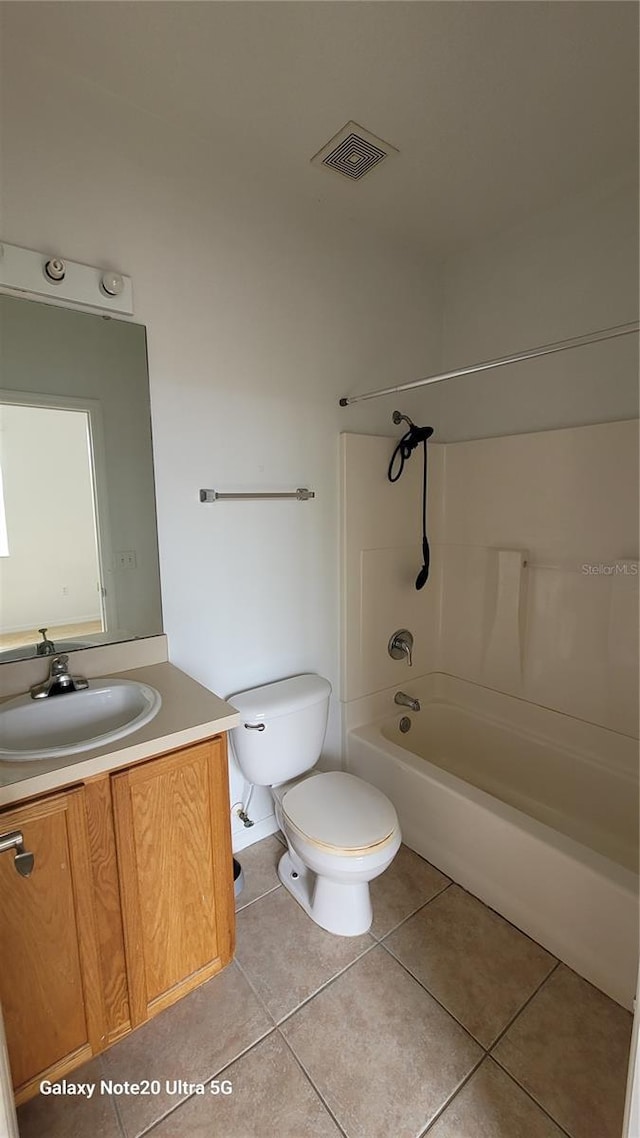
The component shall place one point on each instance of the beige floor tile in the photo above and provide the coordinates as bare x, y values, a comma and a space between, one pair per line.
67, 1116
285, 955
271, 1098
259, 863
478, 965
491, 1105
382, 1053
570, 1049
403, 887
192, 1041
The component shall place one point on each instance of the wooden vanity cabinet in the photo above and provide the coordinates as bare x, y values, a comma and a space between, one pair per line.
130, 905
49, 972
176, 874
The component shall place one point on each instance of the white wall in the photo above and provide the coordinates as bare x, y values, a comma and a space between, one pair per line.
258, 320
571, 270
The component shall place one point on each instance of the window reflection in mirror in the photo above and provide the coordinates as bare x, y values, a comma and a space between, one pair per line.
78, 544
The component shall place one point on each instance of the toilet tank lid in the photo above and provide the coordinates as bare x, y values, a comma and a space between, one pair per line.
281, 698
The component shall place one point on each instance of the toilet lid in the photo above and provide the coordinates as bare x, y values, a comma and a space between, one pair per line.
340, 810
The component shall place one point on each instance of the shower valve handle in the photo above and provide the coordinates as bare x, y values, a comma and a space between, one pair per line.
401, 645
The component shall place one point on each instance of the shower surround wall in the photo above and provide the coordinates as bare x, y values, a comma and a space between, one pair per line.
519, 777
381, 557
534, 587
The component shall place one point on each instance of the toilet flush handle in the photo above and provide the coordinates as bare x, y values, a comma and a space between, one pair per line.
255, 726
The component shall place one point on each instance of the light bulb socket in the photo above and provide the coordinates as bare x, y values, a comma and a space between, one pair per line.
55, 270
111, 284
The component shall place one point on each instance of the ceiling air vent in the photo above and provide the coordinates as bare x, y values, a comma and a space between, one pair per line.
353, 151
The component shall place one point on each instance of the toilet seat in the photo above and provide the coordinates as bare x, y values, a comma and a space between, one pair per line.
340, 813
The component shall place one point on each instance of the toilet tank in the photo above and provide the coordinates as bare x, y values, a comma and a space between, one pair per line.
282, 729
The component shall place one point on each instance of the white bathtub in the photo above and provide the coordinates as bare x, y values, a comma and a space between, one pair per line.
534, 812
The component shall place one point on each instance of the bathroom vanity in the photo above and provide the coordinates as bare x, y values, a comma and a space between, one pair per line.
130, 903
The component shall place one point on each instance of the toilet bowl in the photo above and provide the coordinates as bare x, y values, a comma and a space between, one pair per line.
341, 832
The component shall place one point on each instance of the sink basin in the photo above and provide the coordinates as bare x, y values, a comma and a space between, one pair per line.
76, 721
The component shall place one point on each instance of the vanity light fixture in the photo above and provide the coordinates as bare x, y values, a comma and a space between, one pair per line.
64, 282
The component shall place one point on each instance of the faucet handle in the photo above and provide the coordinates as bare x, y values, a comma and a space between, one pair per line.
59, 665
401, 645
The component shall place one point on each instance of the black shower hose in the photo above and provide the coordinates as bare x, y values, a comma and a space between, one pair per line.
406, 446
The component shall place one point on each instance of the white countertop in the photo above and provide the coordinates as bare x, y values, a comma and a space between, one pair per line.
189, 713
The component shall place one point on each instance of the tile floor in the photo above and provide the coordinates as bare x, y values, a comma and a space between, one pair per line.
444, 1021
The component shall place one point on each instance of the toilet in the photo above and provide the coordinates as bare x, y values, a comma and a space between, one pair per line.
341, 832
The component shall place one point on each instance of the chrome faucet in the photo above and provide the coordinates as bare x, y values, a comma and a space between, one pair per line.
59, 681
401, 644
46, 647
406, 701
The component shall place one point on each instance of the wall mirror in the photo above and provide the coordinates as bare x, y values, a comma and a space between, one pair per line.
78, 540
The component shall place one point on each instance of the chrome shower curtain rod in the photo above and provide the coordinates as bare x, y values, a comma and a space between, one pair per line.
530, 354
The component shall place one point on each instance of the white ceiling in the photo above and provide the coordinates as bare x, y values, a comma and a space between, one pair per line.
499, 110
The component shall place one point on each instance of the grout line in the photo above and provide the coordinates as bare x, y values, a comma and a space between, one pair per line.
254, 990
506, 1070
454, 1094
246, 1051
542, 1108
119, 1119
267, 892
375, 943
525, 1005
312, 995
114, 1100
434, 998
488, 1059
310, 1080
327, 983
485, 1048
423, 985
422, 905
218, 1071
215, 1074
223, 1070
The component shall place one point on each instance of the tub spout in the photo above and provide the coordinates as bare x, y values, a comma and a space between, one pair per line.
406, 701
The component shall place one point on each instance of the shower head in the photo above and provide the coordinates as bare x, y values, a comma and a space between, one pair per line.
407, 444
398, 418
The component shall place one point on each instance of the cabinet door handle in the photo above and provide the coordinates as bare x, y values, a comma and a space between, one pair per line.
23, 860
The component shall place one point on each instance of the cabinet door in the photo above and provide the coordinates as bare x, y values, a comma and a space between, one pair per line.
49, 974
176, 874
